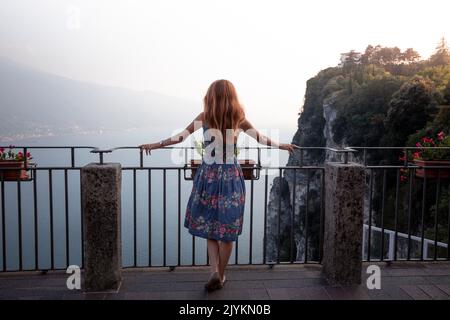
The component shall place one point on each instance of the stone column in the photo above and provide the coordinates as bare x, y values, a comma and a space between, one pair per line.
100, 204
342, 247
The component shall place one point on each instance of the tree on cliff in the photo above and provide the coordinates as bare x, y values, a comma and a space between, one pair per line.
441, 55
383, 56
410, 56
409, 110
359, 120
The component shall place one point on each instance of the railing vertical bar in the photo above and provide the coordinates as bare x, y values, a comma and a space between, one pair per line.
405, 161
193, 250
322, 213
369, 234
279, 218
251, 223
424, 200
383, 204
66, 210
134, 220
266, 180
193, 237
81, 222
72, 157
179, 217
448, 231
36, 221
236, 252
408, 257
24, 156
19, 212
149, 240
436, 217
293, 216
306, 216
164, 218
397, 198
50, 196
3, 221
391, 246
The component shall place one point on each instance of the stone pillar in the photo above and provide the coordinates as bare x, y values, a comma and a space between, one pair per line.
100, 204
342, 247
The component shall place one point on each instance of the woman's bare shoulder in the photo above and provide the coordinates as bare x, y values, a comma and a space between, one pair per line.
245, 125
201, 116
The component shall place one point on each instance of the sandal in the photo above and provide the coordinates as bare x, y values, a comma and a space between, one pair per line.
224, 280
214, 282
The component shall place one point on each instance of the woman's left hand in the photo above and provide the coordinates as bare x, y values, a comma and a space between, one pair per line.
289, 147
148, 147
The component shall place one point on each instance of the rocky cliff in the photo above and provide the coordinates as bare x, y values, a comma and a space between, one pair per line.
294, 208
357, 105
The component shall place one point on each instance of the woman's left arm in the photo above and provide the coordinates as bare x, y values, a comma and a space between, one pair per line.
179, 137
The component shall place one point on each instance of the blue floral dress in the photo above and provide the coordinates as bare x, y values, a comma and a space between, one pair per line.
215, 209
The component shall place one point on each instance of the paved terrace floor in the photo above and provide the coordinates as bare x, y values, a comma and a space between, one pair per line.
400, 280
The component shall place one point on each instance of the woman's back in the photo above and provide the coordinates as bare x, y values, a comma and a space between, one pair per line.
228, 150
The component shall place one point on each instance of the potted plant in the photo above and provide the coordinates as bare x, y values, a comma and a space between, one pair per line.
425, 157
10, 160
248, 166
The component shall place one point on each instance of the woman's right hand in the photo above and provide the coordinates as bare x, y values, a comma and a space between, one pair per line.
289, 147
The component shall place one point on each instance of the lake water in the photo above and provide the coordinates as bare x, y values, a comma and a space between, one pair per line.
158, 158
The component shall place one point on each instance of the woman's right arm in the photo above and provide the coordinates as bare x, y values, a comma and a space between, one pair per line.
248, 128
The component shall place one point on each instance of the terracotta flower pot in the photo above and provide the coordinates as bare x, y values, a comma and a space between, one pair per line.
12, 174
249, 168
433, 173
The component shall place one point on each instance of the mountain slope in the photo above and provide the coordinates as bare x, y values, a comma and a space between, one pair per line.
34, 102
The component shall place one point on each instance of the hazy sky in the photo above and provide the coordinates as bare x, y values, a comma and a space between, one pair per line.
268, 49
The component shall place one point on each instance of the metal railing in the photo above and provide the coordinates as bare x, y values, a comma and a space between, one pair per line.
407, 214
29, 224
392, 235
253, 247
41, 219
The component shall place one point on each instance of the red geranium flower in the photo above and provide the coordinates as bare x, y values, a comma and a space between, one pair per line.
427, 140
441, 136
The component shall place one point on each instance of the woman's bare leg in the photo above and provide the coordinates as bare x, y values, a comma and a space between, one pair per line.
225, 248
213, 254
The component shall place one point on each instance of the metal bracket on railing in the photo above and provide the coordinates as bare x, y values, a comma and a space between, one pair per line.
101, 152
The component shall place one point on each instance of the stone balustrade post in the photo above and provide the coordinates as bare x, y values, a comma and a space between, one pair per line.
343, 225
101, 205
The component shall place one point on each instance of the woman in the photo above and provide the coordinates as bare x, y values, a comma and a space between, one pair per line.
215, 208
